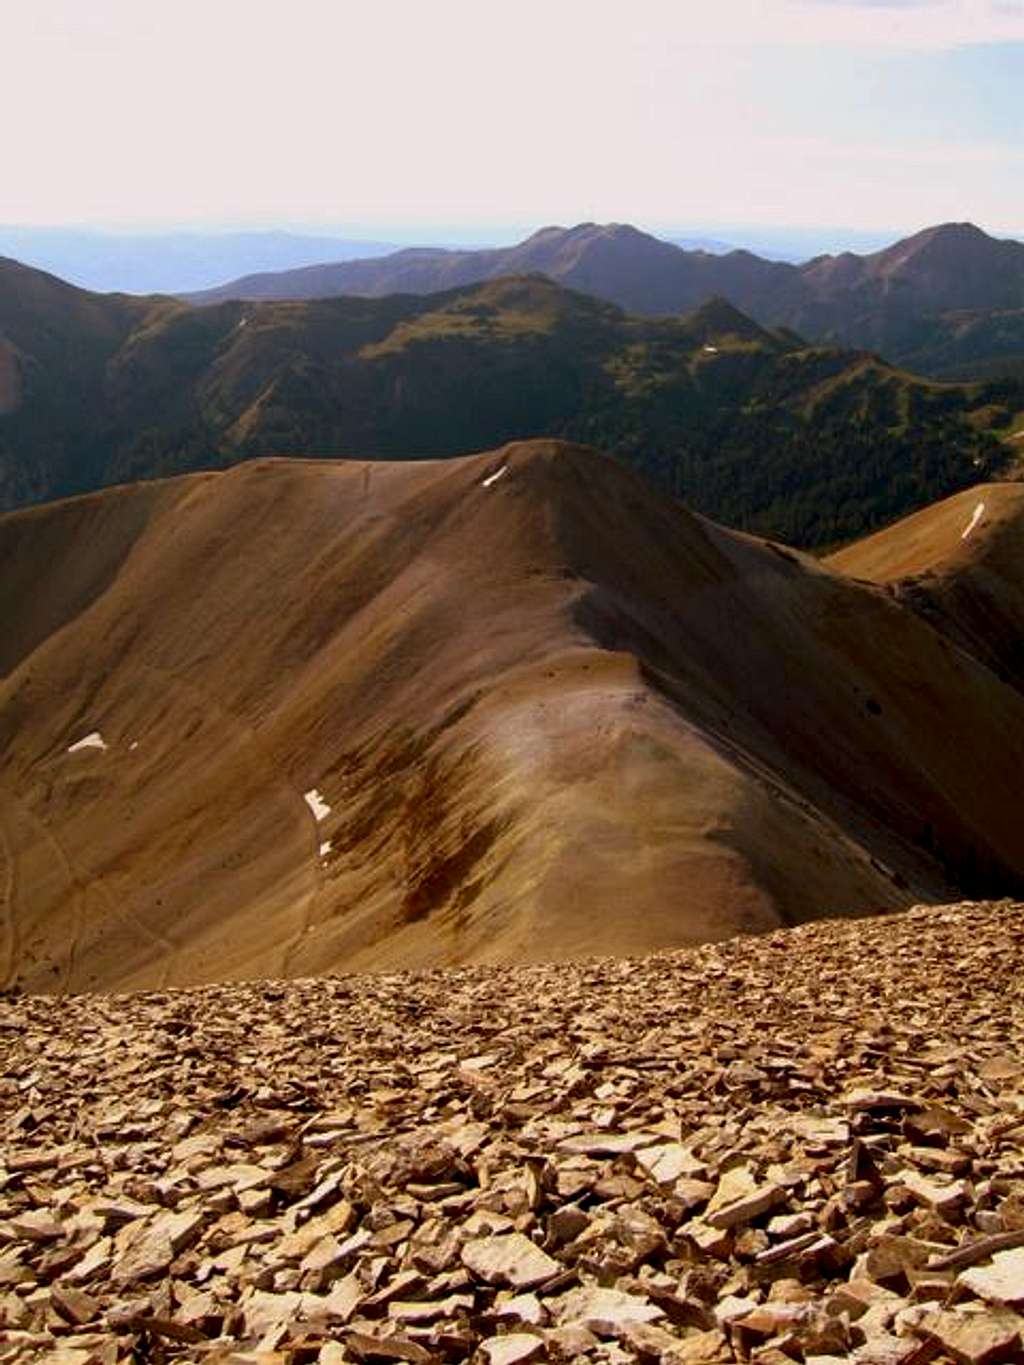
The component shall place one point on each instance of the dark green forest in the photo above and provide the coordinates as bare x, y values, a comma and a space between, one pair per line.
751, 426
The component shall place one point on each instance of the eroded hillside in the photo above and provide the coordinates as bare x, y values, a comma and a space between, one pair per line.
307, 715
960, 564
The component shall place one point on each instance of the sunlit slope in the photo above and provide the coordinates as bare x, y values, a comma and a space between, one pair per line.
511, 707
960, 563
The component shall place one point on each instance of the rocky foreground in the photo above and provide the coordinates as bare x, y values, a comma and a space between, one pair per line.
803, 1147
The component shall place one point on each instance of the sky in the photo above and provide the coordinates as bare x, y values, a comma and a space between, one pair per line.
666, 113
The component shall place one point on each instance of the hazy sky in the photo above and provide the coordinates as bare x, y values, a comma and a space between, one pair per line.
882, 113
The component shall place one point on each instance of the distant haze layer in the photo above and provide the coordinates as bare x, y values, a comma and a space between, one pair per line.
171, 262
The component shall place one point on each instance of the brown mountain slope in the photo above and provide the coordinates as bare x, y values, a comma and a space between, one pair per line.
961, 565
550, 712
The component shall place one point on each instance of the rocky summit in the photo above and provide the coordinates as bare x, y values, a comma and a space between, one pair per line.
807, 1146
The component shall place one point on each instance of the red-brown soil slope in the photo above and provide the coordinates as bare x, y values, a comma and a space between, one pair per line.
550, 713
960, 563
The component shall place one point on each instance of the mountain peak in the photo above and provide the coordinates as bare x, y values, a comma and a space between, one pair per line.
945, 240
589, 231
956, 232
718, 318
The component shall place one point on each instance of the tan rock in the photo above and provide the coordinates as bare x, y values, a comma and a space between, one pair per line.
670, 1161
36, 1226
149, 1255
515, 1348
605, 1311
332, 1353
945, 1199
342, 1301
1002, 1282
366, 1346
704, 1348
415, 1313
524, 1308
727, 1210
608, 1144
974, 1338
570, 1342
73, 1305
509, 1258
712, 1241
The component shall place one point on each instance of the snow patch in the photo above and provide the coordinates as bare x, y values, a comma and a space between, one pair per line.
978, 512
493, 478
316, 803
133, 746
710, 350
93, 740
325, 848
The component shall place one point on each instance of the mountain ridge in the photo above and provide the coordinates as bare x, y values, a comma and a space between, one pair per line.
751, 424
887, 301
301, 715
958, 564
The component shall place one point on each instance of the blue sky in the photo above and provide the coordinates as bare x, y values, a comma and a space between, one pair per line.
668, 113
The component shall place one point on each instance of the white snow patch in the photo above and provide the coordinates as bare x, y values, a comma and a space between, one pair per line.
325, 848
493, 478
133, 746
316, 803
93, 740
710, 350
978, 513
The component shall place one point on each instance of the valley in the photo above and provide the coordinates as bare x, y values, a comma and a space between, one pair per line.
750, 425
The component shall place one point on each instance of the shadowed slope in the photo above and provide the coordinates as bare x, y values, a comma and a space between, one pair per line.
548, 712
960, 564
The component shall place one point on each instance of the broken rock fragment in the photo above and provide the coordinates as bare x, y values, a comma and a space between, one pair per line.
509, 1259
803, 1148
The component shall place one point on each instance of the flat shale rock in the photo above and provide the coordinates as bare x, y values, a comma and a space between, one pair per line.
605, 1312
1002, 1282
515, 1348
807, 1147
510, 1259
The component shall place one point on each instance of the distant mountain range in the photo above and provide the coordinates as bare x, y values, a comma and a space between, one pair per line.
178, 260
170, 262
752, 425
947, 302
307, 716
